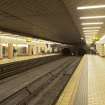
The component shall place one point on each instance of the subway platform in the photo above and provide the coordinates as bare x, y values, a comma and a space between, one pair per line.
56, 83
22, 58
87, 85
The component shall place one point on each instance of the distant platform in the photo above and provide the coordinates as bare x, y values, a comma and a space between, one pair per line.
21, 58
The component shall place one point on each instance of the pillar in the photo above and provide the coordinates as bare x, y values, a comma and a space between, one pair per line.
1, 52
34, 50
39, 46
29, 50
10, 50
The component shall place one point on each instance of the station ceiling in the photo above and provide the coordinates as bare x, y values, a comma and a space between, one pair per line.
56, 20
47, 19
97, 9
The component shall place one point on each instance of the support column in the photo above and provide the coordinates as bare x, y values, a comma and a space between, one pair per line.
10, 50
29, 50
34, 50
39, 46
1, 51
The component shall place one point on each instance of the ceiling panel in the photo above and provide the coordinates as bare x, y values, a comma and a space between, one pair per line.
47, 19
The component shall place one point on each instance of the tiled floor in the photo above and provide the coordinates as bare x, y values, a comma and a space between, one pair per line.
96, 80
3, 61
91, 87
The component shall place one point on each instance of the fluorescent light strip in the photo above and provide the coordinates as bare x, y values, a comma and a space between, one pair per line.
102, 38
95, 23
91, 28
88, 36
92, 17
90, 7
89, 32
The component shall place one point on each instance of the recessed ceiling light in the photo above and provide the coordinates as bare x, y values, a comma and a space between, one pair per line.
93, 23
95, 32
90, 7
93, 17
87, 36
89, 33
91, 28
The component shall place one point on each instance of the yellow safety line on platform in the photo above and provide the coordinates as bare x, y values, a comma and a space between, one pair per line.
68, 95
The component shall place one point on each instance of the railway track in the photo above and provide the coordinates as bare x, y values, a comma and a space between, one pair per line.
44, 87
10, 69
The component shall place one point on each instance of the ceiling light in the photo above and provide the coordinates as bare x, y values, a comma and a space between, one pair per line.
102, 38
92, 17
88, 36
91, 28
91, 34
4, 45
91, 31
90, 7
95, 23
22, 45
82, 38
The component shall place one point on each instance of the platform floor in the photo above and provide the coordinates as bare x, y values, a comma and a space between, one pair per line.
96, 80
87, 85
20, 58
